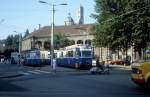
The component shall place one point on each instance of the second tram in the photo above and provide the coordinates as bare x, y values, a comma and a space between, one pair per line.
75, 56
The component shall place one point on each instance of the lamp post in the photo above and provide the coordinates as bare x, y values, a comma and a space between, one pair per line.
52, 28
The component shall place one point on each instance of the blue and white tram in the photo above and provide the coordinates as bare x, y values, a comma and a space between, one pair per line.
75, 56
37, 58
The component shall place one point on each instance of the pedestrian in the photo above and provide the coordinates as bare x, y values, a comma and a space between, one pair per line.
19, 60
97, 62
54, 65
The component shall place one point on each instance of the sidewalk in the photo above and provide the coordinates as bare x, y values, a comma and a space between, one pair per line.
121, 67
9, 71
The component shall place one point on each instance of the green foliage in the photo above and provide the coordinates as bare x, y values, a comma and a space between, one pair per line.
2, 46
12, 42
61, 41
121, 24
26, 33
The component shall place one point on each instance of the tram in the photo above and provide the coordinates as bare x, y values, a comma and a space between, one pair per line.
37, 58
75, 56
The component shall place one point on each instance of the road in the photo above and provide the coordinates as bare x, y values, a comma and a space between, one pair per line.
43, 82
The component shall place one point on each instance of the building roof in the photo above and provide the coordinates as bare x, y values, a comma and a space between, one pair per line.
65, 30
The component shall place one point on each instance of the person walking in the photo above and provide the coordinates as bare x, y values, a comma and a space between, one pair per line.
54, 65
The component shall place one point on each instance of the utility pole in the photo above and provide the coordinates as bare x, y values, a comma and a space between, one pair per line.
52, 28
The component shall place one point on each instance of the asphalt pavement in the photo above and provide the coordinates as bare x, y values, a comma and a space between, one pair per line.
15, 70
9, 70
43, 82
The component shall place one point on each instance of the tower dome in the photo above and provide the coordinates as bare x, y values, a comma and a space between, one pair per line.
69, 20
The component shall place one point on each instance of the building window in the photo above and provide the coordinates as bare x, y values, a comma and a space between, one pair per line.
79, 42
88, 42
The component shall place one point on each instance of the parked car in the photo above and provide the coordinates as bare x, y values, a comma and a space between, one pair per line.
117, 62
141, 73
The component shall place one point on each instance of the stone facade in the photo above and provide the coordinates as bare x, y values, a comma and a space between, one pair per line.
78, 33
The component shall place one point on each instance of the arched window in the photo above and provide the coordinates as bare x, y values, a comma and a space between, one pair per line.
88, 42
79, 42
38, 44
46, 45
72, 42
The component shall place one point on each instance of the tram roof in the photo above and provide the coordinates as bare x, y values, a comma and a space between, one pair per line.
81, 46
73, 30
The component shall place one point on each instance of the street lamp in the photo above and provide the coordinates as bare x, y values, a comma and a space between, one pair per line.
19, 42
52, 28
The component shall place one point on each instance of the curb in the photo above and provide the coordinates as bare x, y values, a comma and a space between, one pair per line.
120, 66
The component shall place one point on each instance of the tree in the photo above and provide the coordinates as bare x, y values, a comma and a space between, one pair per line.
60, 41
141, 20
11, 45
2, 46
121, 23
26, 33
12, 42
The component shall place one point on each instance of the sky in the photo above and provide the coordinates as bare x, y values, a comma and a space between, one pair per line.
19, 15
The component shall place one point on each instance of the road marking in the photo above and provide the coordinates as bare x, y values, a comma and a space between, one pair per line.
42, 71
34, 72
24, 73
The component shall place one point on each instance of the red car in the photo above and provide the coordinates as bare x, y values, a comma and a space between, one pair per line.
117, 62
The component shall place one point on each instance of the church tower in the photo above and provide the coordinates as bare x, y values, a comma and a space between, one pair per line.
80, 15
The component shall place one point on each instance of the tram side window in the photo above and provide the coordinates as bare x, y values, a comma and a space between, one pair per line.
77, 53
55, 55
61, 55
43, 56
27, 55
49, 56
70, 54
86, 54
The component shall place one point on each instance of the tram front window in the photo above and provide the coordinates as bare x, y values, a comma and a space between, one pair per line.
77, 53
86, 54
70, 53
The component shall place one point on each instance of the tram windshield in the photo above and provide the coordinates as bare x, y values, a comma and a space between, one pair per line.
86, 53
77, 53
